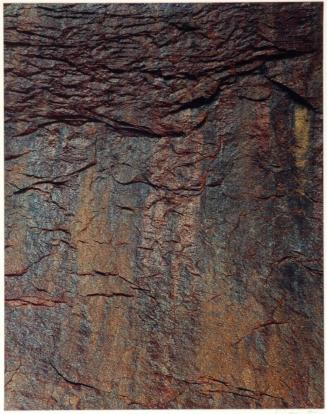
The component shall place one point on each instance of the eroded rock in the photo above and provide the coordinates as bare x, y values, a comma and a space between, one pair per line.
163, 206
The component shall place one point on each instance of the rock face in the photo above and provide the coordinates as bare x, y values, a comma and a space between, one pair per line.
163, 206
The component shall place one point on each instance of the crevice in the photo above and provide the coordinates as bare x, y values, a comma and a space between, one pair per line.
263, 325
293, 95
69, 381
10, 157
110, 295
198, 102
31, 187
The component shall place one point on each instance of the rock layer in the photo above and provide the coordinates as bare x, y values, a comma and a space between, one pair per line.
163, 206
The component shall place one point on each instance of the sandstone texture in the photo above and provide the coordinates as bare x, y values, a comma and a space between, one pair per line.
163, 206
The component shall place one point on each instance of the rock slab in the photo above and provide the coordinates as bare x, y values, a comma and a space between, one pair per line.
163, 206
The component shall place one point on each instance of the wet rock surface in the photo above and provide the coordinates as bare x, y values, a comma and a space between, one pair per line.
163, 206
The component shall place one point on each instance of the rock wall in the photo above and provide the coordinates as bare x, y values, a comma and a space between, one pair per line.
163, 206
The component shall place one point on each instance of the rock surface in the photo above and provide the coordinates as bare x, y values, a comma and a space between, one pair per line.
163, 206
